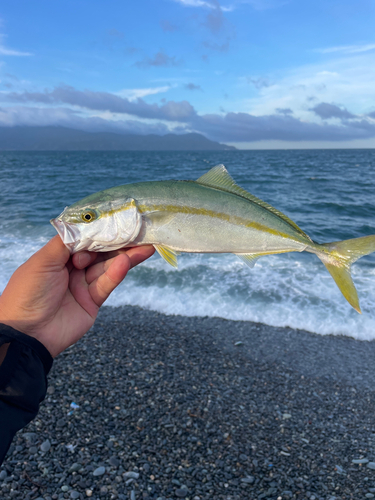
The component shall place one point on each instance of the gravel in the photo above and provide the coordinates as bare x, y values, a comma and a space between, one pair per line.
45, 446
169, 407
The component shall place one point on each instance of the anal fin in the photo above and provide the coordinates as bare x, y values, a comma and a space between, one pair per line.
249, 259
167, 254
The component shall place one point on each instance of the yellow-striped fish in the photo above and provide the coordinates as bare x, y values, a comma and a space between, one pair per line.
212, 214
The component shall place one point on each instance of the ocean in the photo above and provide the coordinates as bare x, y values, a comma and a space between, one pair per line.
330, 194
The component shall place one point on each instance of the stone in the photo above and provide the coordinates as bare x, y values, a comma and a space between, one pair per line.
75, 467
339, 469
131, 475
371, 465
74, 494
114, 461
29, 436
3, 475
45, 446
248, 479
182, 492
99, 471
360, 461
287, 494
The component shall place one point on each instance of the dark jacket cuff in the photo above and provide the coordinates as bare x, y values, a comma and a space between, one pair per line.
23, 382
9, 334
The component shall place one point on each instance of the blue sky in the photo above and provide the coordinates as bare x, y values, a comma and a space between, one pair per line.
253, 73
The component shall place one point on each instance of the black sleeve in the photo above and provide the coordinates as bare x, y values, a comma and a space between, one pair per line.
23, 383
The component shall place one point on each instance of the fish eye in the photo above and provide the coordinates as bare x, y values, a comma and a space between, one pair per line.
88, 216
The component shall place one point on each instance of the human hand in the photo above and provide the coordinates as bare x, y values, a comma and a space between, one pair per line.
56, 297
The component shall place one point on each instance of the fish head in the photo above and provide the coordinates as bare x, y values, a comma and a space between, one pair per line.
99, 225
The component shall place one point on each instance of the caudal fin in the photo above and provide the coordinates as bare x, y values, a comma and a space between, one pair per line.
338, 258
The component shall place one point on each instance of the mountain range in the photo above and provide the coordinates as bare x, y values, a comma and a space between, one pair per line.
56, 138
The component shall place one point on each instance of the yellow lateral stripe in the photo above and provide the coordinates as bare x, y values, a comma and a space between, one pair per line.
126, 206
211, 213
197, 211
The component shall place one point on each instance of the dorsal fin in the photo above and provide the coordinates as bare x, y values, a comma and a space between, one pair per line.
219, 178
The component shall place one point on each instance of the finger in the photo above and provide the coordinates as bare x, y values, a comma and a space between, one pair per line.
80, 291
136, 256
96, 270
101, 288
52, 254
139, 254
146, 251
84, 259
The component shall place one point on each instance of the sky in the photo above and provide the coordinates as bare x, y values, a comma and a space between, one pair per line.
250, 73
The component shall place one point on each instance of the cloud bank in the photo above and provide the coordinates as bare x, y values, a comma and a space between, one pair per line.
94, 110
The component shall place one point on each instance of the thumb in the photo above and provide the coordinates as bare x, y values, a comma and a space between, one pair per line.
53, 254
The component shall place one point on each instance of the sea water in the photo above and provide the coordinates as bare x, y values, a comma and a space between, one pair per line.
330, 194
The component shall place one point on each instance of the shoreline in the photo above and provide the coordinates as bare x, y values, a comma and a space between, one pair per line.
170, 407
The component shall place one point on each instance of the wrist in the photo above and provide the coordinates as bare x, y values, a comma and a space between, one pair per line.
17, 325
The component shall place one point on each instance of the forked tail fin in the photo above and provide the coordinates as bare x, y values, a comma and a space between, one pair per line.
339, 256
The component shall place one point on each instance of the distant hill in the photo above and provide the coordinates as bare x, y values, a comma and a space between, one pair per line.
66, 139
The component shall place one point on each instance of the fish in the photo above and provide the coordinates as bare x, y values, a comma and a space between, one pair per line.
210, 215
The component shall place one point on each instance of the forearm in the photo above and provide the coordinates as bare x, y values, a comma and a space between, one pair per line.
24, 365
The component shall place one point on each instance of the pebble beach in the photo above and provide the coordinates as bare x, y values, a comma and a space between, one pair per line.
149, 406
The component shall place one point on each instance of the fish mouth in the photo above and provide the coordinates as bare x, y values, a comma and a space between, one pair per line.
69, 234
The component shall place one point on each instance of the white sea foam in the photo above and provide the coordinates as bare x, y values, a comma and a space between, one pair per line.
290, 290
14, 251
276, 292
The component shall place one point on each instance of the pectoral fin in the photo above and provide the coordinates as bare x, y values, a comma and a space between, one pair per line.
168, 254
249, 259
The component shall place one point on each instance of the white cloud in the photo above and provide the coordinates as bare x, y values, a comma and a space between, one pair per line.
265, 4
195, 3
354, 144
347, 49
4, 51
214, 4
133, 94
210, 5
347, 81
